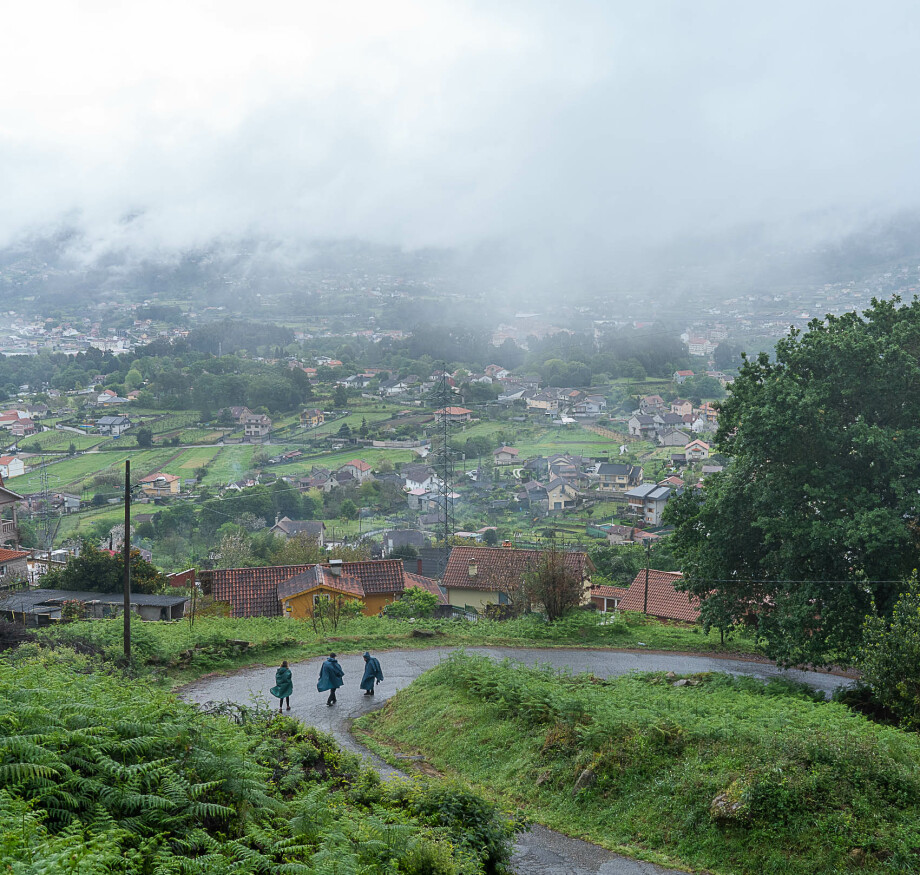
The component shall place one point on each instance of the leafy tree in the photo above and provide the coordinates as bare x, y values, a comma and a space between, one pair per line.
72, 449
348, 510
815, 520
414, 602
890, 656
99, 571
404, 551
490, 537
144, 437
340, 396
553, 585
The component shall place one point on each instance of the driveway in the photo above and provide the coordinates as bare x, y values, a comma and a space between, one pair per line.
541, 851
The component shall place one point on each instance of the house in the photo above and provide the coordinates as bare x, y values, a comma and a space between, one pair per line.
660, 599
239, 413
160, 484
393, 387
702, 425
23, 428
453, 414
292, 590
10, 466
648, 501
607, 598
618, 478
650, 403
560, 494
288, 528
320, 479
9, 528
14, 566
673, 437
696, 450
480, 576
681, 406
547, 402
39, 607
533, 493
641, 425
108, 397
680, 377
617, 534
72, 503
311, 418
712, 469
398, 538
497, 371
417, 477
505, 456
591, 405
256, 426
113, 425
359, 469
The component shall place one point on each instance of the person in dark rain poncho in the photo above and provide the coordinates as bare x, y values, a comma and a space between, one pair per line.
372, 674
284, 686
330, 678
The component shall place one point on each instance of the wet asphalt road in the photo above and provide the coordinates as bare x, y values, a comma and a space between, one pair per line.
541, 851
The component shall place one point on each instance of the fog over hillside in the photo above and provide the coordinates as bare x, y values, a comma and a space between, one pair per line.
529, 145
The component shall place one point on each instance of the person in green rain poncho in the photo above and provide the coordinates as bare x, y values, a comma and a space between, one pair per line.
283, 687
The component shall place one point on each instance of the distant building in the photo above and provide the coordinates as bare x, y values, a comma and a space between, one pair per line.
311, 418
648, 501
160, 484
453, 414
11, 466
256, 426
288, 528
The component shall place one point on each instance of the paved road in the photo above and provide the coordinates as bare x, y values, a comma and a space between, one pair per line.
541, 851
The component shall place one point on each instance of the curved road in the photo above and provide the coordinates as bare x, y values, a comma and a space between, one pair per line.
541, 851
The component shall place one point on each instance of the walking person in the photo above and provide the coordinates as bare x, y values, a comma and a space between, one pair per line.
283, 687
372, 674
330, 677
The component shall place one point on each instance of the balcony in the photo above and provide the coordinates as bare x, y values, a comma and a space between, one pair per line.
8, 531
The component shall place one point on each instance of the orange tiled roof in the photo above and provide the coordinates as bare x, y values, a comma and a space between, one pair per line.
664, 601
10, 555
496, 567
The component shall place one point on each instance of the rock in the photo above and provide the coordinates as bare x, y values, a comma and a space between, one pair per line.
857, 857
542, 779
670, 675
731, 805
681, 683
585, 780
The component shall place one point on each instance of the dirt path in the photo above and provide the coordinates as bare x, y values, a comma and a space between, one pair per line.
541, 851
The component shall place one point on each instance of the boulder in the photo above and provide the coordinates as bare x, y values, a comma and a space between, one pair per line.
585, 780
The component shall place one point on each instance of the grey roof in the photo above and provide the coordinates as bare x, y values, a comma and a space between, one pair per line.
649, 490
612, 469
29, 599
112, 420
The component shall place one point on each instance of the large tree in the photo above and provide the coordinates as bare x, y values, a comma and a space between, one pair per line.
814, 522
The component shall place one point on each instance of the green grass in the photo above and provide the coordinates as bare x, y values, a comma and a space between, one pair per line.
60, 441
163, 644
191, 459
71, 473
231, 463
819, 789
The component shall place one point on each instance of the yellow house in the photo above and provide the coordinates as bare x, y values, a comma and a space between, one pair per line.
311, 418
374, 583
160, 484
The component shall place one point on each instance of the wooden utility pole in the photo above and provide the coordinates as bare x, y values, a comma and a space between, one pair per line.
127, 552
648, 559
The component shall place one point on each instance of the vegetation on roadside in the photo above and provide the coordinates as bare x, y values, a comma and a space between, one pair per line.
726, 774
183, 651
98, 776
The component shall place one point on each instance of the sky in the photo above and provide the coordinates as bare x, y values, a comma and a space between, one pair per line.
563, 130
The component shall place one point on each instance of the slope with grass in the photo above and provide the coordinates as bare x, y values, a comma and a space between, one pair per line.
713, 772
100, 773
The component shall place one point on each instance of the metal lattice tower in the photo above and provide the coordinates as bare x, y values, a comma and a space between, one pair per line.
47, 524
444, 467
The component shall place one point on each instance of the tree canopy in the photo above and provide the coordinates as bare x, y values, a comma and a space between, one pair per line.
814, 523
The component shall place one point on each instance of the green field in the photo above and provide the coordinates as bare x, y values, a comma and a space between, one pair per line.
188, 460
229, 464
70, 474
59, 441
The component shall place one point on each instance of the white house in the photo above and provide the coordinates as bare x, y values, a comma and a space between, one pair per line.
10, 466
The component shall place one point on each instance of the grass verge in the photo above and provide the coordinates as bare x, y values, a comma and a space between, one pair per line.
724, 774
180, 652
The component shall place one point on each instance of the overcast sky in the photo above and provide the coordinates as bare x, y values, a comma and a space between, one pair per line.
605, 125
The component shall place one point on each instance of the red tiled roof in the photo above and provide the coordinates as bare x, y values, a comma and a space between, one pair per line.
320, 575
255, 592
453, 411
608, 592
10, 555
359, 464
426, 583
664, 601
496, 567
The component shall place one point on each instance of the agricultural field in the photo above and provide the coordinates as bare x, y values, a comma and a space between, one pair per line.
71, 473
230, 463
189, 460
59, 441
